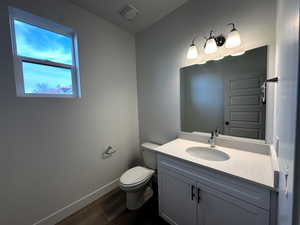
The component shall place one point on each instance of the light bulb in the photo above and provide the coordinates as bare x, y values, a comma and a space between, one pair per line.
192, 52
233, 39
211, 46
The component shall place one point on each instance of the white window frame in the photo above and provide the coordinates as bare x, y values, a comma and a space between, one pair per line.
17, 14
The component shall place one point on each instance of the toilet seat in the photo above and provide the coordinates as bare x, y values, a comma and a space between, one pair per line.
136, 176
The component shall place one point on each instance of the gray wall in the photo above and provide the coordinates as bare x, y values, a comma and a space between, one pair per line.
202, 98
287, 67
202, 88
161, 51
50, 149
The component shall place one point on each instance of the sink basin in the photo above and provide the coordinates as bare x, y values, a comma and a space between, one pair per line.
210, 154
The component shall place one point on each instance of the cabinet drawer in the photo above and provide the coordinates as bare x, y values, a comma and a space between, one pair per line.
227, 184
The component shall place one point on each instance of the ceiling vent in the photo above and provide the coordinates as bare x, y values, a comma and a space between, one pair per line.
129, 12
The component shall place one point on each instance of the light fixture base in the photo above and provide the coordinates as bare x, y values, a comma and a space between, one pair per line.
220, 40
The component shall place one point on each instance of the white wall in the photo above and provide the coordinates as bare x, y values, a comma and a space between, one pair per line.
161, 51
287, 67
50, 149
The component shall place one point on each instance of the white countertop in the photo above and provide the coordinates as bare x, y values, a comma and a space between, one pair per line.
255, 167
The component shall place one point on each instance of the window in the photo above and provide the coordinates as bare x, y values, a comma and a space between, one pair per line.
45, 57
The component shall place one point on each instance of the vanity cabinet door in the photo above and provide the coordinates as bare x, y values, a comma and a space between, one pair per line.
217, 208
177, 198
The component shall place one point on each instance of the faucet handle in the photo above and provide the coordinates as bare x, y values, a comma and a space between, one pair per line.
211, 137
217, 132
209, 140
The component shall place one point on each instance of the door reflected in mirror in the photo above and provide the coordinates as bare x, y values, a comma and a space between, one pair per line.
225, 94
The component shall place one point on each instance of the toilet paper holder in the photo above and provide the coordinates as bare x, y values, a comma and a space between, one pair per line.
108, 152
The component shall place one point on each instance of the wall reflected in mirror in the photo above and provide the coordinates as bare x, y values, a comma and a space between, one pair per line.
225, 95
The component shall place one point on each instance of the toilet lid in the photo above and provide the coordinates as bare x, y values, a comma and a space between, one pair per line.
136, 175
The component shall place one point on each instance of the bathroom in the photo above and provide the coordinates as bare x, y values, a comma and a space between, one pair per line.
135, 128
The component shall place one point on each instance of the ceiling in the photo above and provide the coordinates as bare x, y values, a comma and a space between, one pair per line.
150, 11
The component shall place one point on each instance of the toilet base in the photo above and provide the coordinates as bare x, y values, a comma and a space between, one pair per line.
136, 199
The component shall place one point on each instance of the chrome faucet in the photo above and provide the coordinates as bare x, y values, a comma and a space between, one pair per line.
212, 139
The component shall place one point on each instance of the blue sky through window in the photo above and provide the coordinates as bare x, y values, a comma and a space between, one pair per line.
42, 79
38, 43
35, 42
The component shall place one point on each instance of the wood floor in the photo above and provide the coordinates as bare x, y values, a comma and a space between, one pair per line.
111, 210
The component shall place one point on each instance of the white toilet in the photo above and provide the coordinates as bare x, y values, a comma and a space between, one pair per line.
135, 181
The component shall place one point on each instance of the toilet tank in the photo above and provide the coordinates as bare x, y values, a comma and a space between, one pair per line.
149, 155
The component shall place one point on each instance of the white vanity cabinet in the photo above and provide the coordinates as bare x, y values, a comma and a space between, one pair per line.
192, 195
177, 198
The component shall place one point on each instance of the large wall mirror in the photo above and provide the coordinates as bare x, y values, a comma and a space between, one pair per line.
225, 94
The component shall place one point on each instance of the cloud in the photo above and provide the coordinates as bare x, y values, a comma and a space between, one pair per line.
38, 43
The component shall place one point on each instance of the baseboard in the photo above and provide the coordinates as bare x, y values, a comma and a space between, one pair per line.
77, 205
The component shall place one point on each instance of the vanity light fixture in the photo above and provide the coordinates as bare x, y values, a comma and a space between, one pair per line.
210, 45
233, 39
192, 52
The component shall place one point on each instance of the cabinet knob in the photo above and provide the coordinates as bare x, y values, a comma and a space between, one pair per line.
198, 195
